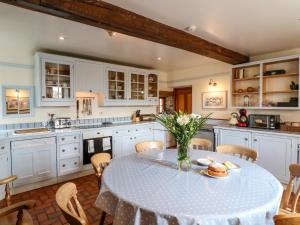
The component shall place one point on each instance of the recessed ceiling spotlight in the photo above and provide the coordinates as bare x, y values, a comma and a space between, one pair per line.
61, 38
191, 28
158, 58
111, 33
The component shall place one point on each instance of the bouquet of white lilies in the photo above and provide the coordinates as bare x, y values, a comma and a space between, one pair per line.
184, 127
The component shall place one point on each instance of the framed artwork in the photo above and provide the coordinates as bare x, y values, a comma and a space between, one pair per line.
214, 100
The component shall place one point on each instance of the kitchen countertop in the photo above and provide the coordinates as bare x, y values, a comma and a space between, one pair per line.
10, 135
274, 131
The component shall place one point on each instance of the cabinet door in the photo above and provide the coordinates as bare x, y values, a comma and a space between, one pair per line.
117, 147
234, 137
137, 88
88, 76
116, 85
152, 89
275, 154
128, 146
57, 81
4, 171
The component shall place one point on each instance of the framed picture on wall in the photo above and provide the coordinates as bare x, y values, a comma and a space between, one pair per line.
214, 100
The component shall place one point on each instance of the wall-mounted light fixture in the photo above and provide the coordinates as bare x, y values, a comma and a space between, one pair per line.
212, 83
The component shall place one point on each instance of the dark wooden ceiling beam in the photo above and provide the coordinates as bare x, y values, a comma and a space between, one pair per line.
107, 16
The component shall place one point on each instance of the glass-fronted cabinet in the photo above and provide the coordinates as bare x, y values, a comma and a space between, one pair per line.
137, 86
152, 87
17, 101
116, 85
54, 80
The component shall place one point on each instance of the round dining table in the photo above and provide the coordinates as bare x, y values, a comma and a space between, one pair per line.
148, 189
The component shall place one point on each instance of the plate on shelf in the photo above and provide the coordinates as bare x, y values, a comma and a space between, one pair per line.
204, 161
205, 172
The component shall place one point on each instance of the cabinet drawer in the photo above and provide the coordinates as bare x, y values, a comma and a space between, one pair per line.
122, 132
69, 149
4, 147
33, 143
68, 139
69, 165
142, 129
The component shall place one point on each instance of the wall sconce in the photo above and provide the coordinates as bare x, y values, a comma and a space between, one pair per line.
212, 83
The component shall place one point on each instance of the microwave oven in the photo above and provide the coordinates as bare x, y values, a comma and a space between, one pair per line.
264, 121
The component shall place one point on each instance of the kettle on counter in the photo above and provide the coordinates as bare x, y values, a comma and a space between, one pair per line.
234, 119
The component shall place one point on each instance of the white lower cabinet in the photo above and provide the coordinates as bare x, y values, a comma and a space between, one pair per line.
234, 137
33, 160
125, 139
276, 153
69, 153
4, 165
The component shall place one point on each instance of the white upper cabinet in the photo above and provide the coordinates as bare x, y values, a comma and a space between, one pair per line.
137, 87
89, 76
54, 80
153, 89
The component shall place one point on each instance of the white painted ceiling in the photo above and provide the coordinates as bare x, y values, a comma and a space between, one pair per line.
248, 26
22, 32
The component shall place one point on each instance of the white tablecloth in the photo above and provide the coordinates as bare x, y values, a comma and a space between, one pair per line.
147, 189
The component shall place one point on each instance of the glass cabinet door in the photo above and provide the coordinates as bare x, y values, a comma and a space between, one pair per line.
137, 83
116, 85
58, 80
18, 101
152, 86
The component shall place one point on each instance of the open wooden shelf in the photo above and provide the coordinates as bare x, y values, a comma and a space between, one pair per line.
245, 79
245, 93
280, 92
281, 75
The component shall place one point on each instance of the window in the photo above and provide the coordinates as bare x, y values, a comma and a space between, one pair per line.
17, 101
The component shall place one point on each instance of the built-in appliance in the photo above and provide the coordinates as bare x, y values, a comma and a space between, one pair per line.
207, 132
264, 121
147, 117
96, 141
62, 122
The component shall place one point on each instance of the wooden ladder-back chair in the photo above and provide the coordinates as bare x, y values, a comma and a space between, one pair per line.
286, 197
242, 151
66, 198
149, 145
99, 162
291, 219
201, 144
15, 213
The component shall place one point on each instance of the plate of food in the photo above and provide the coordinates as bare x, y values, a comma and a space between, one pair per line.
231, 165
204, 161
216, 170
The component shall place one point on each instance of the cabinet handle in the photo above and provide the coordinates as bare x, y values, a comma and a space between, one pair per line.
2, 147
246, 139
75, 163
98, 132
117, 132
43, 97
254, 139
75, 148
130, 138
64, 165
136, 130
75, 137
128, 131
63, 139
63, 150
134, 137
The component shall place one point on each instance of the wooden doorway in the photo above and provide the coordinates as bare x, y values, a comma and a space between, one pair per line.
183, 99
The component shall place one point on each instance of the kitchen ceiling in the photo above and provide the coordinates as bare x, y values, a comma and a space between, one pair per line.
23, 32
250, 27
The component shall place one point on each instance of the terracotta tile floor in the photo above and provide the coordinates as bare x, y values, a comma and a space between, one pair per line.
47, 212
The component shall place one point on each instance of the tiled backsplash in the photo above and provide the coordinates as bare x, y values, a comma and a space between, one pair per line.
74, 122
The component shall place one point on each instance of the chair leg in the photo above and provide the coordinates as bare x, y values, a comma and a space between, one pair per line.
102, 219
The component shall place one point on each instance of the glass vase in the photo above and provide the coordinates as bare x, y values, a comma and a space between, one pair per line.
183, 158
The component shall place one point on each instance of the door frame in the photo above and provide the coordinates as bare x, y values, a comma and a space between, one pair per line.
176, 89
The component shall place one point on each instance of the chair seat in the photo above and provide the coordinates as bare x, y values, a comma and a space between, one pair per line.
284, 212
12, 219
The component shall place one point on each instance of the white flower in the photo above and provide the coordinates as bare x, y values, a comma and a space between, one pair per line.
195, 116
183, 120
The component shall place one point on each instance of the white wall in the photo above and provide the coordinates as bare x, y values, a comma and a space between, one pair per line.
199, 78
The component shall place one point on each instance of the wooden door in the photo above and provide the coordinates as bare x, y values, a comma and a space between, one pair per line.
183, 99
